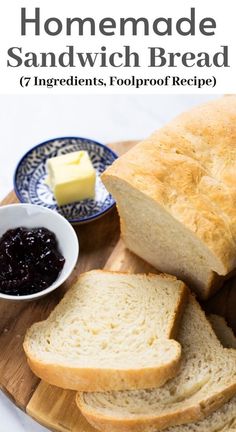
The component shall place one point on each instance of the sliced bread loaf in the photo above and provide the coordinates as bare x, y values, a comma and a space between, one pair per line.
110, 331
175, 193
206, 380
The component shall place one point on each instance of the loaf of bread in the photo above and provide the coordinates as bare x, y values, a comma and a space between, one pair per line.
176, 196
205, 382
110, 331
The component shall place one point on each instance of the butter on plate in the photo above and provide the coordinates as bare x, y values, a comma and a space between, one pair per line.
71, 177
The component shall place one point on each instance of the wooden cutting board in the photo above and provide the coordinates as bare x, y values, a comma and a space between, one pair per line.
100, 247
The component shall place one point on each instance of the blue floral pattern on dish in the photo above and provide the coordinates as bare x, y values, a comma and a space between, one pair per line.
30, 175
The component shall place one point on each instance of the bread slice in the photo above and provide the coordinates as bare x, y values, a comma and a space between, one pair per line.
175, 193
206, 380
224, 419
110, 331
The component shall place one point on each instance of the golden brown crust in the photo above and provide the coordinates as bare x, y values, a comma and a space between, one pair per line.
189, 168
92, 379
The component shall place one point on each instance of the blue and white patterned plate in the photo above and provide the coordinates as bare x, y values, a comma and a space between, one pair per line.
30, 174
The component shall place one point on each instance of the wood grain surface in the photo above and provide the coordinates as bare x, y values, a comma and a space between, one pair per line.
99, 247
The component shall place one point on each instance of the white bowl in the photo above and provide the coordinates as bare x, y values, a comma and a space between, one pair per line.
34, 216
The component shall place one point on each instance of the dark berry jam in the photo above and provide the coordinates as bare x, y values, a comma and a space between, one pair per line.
30, 260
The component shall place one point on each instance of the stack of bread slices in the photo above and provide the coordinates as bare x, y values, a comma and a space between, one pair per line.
141, 354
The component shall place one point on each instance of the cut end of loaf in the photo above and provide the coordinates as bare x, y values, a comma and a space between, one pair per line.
150, 232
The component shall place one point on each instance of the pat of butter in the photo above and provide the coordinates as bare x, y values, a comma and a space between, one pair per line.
71, 177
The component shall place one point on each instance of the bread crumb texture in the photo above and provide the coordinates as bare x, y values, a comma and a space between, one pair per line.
111, 330
206, 380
